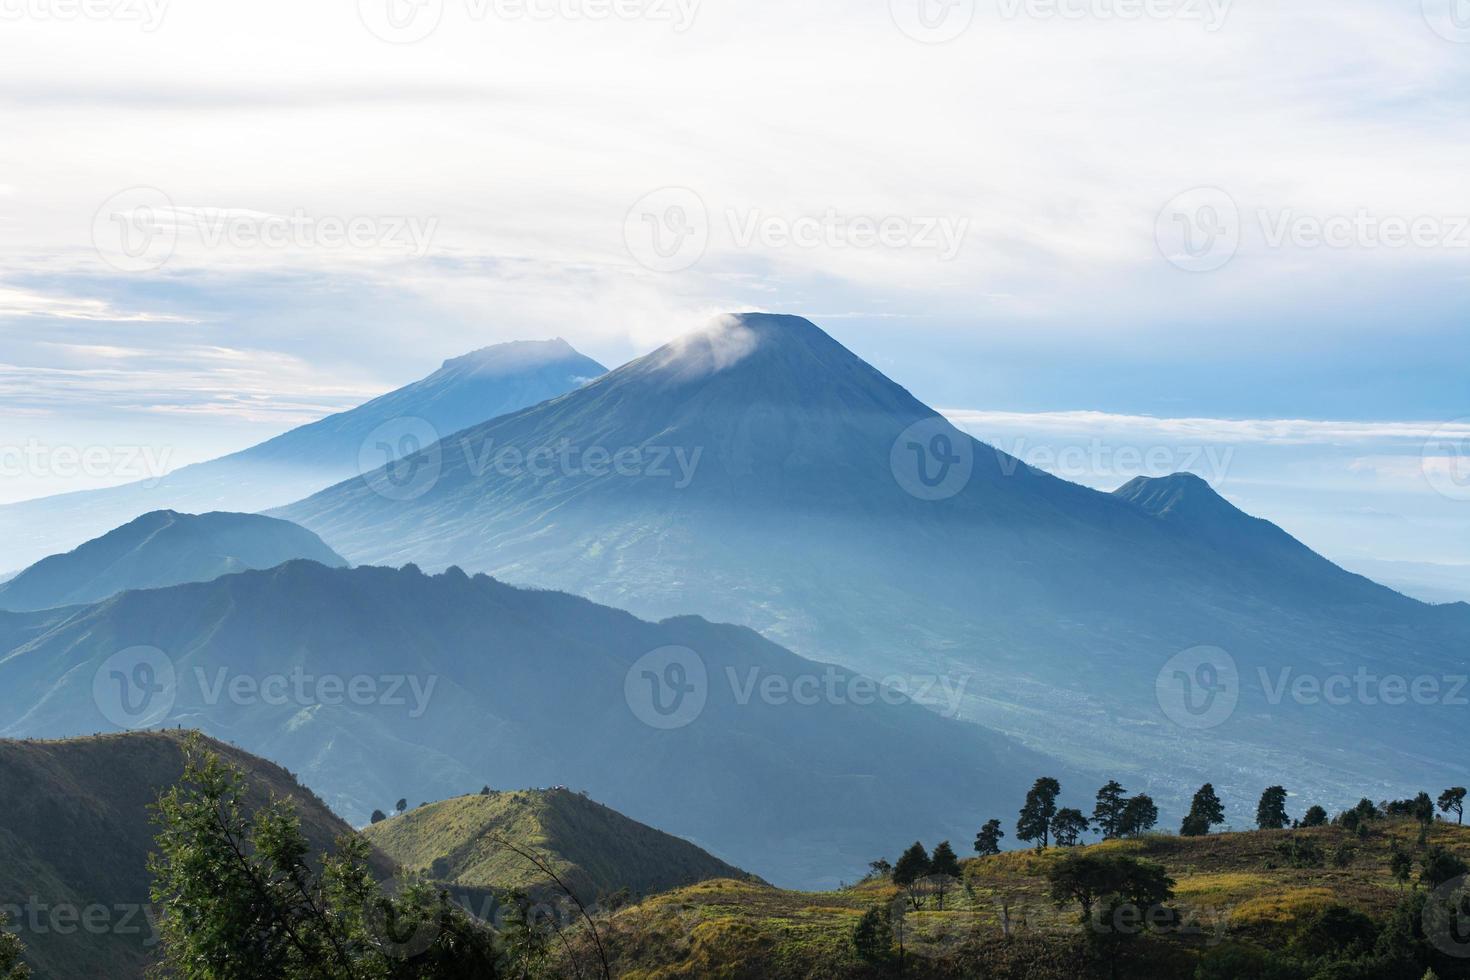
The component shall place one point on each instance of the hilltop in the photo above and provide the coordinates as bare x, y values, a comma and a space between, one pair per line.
1261, 889
595, 850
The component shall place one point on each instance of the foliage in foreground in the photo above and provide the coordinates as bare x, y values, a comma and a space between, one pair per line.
241, 900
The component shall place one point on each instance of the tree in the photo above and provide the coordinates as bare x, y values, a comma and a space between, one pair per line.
1440, 866
1401, 864
873, 936
379, 816
881, 868
1315, 817
12, 964
944, 866
485, 791
1204, 812
1453, 801
1140, 815
987, 841
1068, 826
1108, 813
401, 805
1271, 811
912, 867
1119, 896
241, 900
1423, 808
1041, 805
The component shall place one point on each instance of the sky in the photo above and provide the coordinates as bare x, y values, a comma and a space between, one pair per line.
1098, 227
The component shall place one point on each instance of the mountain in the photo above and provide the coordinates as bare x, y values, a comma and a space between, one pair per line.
161, 549
593, 849
76, 834
378, 684
464, 391
763, 474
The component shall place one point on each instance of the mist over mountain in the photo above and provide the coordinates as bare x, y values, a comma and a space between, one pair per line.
464, 391
772, 478
376, 684
160, 549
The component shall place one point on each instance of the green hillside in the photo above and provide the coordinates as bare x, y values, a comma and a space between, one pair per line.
76, 832
594, 849
1239, 895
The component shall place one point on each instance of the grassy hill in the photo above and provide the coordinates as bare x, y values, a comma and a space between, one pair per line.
1258, 890
594, 849
76, 832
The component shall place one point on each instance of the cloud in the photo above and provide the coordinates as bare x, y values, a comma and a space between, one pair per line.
1282, 432
22, 303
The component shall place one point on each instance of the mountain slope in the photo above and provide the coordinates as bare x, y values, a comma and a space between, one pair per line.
76, 834
160, 549
774, 479
377, 684
593, 849
464, 391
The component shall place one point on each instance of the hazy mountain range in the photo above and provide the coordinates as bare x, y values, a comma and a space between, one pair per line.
772, 478
465, 391
375, 684
159, 549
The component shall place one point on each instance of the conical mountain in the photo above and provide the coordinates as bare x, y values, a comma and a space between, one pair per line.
770, 477
464, 391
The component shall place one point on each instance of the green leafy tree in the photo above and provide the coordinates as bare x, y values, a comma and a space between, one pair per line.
1119, 897
944, 867
912, 868
1205, 811
1314, 817
1140, 815
1401, 863
1041, 805
987, 841
241, 900
872, 938
881, 868
379, 816
1271, 811
1440, 866
1423, 809
1108, 813
401, 805
1068, 826
12, 953
1453, 801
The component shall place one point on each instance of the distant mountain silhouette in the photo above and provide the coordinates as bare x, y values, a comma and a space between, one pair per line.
77, 831
774, 479
160, 549
464, 391
465, 681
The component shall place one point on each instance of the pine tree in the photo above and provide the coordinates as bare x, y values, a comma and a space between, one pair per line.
1140, 815
1271, 811
1453, 801
943, 867
1204, 812
1041, 805
912, 867
1068, 826
987, 841
1108, 814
